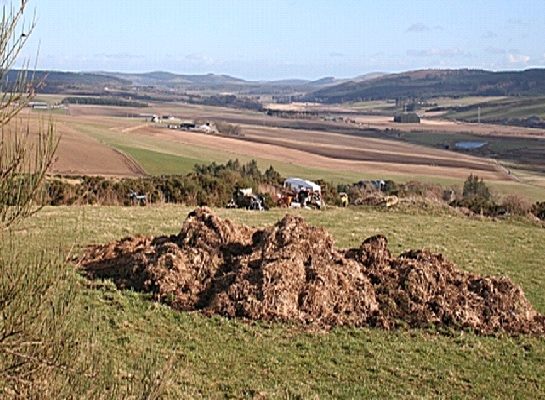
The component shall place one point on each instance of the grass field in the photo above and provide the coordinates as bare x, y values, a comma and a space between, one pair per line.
159, 157
492, 107
388, 107
219, 358
509, 107
373, 106
464, 101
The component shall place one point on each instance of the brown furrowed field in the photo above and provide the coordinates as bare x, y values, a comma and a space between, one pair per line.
368, 155
120, 141
81, 153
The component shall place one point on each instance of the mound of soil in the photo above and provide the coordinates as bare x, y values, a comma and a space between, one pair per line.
293, 272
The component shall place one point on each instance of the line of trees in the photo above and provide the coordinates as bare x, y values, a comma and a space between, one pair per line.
226, 101
103, 101
211, 185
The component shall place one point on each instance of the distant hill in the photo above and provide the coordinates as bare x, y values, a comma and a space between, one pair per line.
66, 82
367, 77
167, 79
222, 82
98, 82
433, 83
376, 85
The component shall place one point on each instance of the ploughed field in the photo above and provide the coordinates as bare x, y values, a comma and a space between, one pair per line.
318, 149
81, 154
216, 356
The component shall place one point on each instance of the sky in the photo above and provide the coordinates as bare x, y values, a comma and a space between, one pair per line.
280, 39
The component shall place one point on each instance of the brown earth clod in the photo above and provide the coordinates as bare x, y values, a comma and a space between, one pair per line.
293, 272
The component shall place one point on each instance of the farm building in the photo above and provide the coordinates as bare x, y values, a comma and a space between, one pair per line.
187, 125
38, 105
407, 118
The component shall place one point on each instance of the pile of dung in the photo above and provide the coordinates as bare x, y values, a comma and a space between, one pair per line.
293, 272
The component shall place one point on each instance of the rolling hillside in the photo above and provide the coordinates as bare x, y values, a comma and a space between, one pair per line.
434, 83
67, 82
168, 79
372, 86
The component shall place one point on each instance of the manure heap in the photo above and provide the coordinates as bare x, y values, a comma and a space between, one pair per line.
293, 272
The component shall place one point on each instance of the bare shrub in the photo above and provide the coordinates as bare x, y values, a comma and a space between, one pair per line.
47, 348
517, 205
229, 129
24, 158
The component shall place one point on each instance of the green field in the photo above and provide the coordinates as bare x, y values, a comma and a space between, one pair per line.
388, 107
500, 108
384, 107
493, 108
220, 358
464, 101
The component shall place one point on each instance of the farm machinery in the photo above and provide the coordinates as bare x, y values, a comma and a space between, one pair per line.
245, 198
301, 193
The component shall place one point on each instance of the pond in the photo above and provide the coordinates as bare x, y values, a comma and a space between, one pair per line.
469, 145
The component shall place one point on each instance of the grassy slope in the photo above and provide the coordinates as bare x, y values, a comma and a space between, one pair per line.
509, 107
389, 107
531, 183
215, 357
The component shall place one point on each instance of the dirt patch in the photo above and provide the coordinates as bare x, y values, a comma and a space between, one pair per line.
80, 154
293, 272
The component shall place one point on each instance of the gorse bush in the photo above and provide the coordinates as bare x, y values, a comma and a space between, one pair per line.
212, 184
477, 198
516, 205
475, 188
538, 209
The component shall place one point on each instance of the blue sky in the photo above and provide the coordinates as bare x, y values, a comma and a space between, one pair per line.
280, 39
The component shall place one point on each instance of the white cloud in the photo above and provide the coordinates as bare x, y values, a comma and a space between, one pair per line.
418, 27
201, 59
434, 52
518, 58
490, 35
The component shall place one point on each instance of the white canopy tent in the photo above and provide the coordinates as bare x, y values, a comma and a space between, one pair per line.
298, 184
